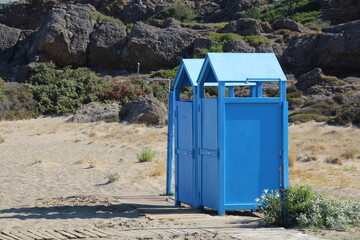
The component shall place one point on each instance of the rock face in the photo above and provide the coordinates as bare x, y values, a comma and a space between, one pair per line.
157, 47
337, 50
66, 34
146, 110
94, 112
106, 43
234, 6
340, 11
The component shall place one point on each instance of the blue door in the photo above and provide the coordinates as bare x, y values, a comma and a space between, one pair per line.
252, 152
209, 153
184, 152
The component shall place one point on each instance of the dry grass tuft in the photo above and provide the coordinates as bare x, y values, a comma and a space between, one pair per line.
93, 164
292, 159
159, 169
333, 160
309, 159
2, 139
349, 153
82, 161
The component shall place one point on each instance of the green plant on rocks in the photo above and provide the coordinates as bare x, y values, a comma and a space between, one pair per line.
180, 12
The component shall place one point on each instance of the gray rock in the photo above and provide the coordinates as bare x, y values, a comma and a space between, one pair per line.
244, 26
237, 45
234, 6
106, 43
94, 112
65, 36
148, 110
286, 24
341, 11
157, 48
9, 37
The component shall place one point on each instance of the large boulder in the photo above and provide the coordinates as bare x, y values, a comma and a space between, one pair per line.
94, 112
287, 24
238, 45
65, 36
156, 48
106, 42
148, 110
9, 37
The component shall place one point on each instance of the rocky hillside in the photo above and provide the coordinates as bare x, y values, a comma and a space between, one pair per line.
316, 41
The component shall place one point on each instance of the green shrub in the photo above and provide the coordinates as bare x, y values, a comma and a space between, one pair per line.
306, 116
180, 12
129, 27
223, 38
146, 155
304, 208
112, 177
324, 109
167, 74
158, 89
63, 91
348, 113
298, 10
99, 17
295, 103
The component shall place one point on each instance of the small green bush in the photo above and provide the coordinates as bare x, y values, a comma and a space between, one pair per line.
180, 12
112, 177
166, 74
63, 91
146, 155
99, 17
295, 103
303, 207
348, 113
306, 116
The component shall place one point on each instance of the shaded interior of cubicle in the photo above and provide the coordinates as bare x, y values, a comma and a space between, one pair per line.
185, 123
242, 141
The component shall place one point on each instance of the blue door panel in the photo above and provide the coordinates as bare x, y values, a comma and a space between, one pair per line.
184, 152
252, 145
208, 153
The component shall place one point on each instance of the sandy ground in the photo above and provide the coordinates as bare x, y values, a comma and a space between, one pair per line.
54, 176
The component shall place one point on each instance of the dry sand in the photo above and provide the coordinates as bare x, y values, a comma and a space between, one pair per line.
53, 176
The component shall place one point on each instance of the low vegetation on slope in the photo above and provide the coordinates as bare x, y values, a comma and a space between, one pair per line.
298, 10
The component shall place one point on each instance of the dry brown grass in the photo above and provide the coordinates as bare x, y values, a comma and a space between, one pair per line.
336, 169
2, 139
349, 153
292, 159
82, 161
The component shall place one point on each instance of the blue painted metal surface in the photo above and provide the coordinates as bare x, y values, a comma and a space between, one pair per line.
239, 145
170, 147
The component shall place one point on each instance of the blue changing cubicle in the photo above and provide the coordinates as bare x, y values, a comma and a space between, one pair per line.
229, 149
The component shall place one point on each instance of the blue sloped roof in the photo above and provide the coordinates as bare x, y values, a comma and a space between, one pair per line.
188, 72
237, 67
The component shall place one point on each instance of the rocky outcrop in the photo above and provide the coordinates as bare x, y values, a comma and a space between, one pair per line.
341, 11
65, 36
315, 82
148, 110
337, 50
94, 112
287, 24
237, 45
234, 6
156, 47
106, 43
245, 27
